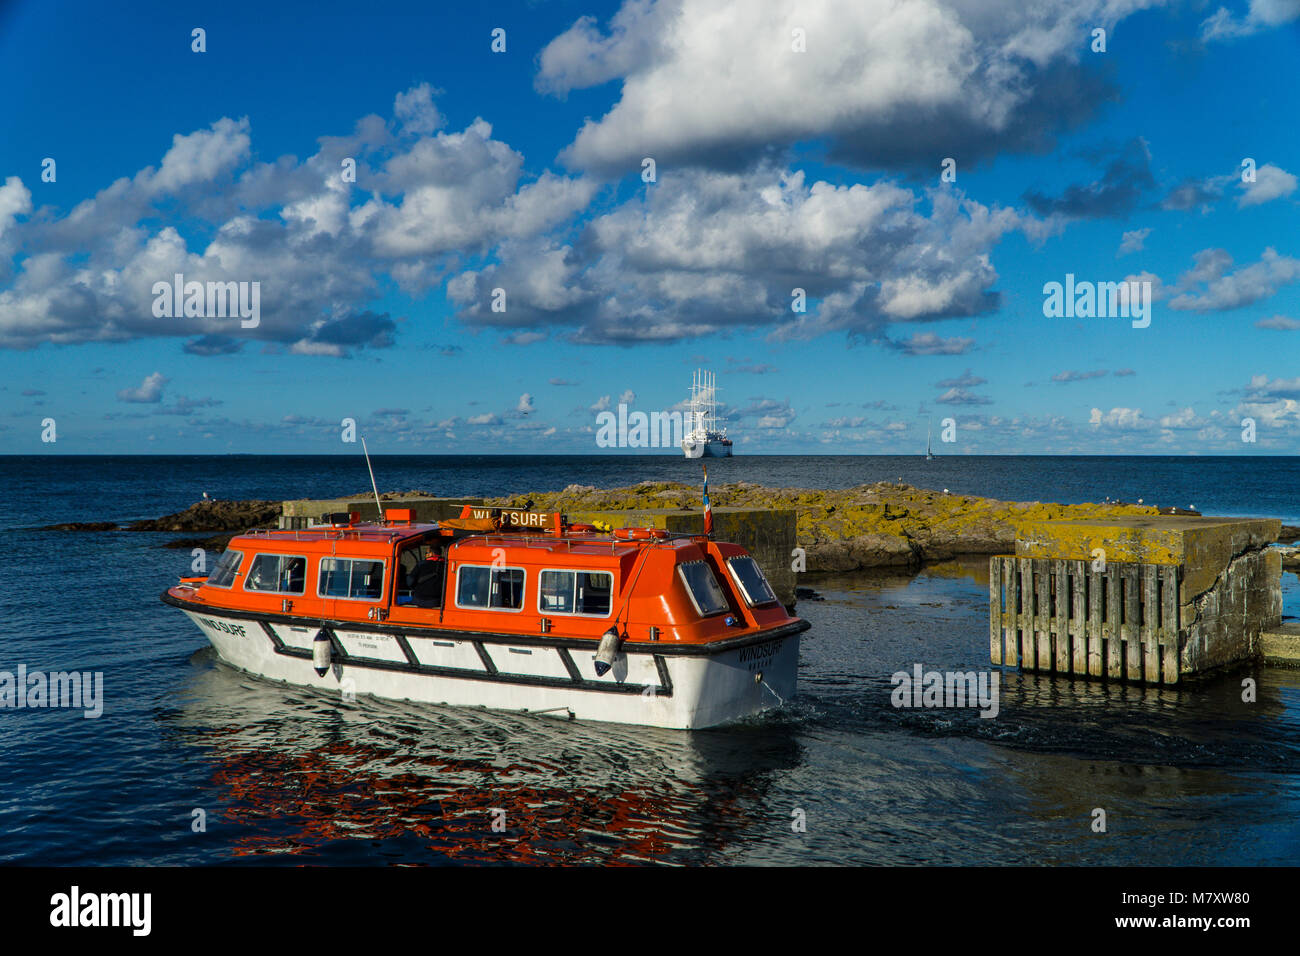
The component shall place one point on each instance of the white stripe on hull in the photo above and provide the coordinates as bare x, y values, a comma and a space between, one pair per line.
702, 691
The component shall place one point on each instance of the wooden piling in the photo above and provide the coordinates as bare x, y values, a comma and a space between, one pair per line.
1068, 617
995, 612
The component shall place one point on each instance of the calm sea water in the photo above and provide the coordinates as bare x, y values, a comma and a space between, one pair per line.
289, 776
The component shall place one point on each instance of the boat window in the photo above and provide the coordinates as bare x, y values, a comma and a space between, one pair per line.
749, 576
703, 587
575, 592
223, 575
282, 573
351, 579
498, 588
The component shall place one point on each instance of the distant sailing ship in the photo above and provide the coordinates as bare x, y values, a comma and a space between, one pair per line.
705, 439
929, 455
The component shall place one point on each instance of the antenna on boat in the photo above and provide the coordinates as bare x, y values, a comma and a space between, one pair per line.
373, 486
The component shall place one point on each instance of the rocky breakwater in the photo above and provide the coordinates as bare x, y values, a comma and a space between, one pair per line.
202, 517
867, 526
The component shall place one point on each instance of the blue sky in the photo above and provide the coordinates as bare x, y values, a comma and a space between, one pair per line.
775, 169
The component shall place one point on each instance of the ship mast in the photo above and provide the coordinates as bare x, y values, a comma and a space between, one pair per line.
711, 424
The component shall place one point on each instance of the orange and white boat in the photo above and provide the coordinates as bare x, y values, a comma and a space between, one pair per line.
513, 611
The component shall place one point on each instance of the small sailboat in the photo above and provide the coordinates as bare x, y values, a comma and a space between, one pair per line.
929, 455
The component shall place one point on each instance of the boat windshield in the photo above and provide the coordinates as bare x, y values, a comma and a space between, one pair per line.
749, 576
223, 575
703, 587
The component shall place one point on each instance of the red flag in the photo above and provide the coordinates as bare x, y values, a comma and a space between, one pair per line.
708, 512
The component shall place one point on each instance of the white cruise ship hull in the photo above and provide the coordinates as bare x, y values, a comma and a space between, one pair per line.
705, 449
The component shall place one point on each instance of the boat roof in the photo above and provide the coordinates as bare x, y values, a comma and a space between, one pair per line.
370, 533
394, 534
570, 543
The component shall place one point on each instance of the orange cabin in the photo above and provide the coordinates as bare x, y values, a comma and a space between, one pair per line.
564, 581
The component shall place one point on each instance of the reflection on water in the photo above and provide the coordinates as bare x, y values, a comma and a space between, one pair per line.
297, 770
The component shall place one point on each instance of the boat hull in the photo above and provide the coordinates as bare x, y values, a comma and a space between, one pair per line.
705, 449
652, 686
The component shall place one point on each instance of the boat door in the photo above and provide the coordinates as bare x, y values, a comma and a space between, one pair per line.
420, 579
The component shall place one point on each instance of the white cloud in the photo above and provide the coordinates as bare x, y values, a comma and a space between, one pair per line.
1133, 241
1119, 418
91, 271
148, 392
200, 157
1273, 403
1262, 14
707, 252
927, 343
1271, 182
1229, 290
962, 396
416, 112
1263, 387
895, 78
1186, 418
462, 191
15, 201
1072, 375
1279, 322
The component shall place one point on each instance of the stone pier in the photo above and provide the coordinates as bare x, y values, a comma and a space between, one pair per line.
304, 511
1150, 599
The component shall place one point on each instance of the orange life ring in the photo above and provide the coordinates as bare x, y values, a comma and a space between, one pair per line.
640, 534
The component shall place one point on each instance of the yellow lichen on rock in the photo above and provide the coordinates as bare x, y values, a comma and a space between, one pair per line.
864, 526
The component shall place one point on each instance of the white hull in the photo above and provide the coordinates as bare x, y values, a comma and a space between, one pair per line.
659, 690
705, 449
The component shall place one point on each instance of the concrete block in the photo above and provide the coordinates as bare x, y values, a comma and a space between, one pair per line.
426, 509
1229, 579
1280, 646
